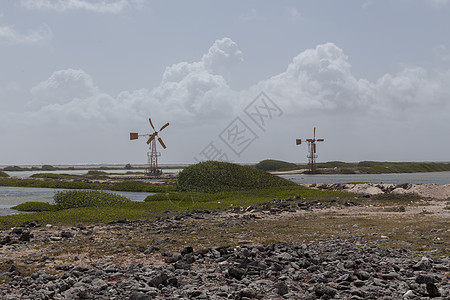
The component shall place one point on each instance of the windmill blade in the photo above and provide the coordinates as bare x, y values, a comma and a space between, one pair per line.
314, 132
151, 124
314, 148
152, 137
298, 141
320, 140
134, 136
165, 125
161, 142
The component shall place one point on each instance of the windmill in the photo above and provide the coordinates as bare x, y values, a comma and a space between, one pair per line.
311, 151
152, 156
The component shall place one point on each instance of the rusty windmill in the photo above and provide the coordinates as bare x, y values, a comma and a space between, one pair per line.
311, 151
152, 156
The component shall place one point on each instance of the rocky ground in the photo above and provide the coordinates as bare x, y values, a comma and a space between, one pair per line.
284, 249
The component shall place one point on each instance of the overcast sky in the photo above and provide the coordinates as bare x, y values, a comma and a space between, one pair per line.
237, 80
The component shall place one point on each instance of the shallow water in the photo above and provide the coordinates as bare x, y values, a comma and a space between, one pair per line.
22, 174
11, 196
395, 178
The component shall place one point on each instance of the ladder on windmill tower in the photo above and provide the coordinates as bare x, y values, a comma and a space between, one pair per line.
152, 156
312, 150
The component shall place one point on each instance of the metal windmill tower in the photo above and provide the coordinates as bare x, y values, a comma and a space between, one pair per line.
152, 156
311, 151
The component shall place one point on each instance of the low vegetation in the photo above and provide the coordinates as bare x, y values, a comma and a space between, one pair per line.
75, 199
3, 174
214, 176
275, 165
35, 206
128, 185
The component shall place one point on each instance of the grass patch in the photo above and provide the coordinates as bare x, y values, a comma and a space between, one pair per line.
74, 199
128, 185
35, 206
3, 174
56, 176
213, 176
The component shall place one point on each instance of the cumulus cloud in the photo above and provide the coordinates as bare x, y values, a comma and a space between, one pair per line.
100, 6
321, 79
62, 87
10, 34
189, 91
222, 54
317, 80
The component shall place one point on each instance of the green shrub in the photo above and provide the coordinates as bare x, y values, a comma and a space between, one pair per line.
214, 176
275, 165
55, 176
95, 174
72, 199
48, 168
35, 206
15, 168
3, 174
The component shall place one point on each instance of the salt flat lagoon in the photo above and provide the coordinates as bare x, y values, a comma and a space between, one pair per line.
12, 196
395, 178
23, 174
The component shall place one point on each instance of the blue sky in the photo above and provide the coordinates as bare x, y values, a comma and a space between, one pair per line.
78, 76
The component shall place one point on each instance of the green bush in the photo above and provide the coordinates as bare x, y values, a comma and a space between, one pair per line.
55, 176
35, 206
3, 174
48, 168
214, 176
72, 199
275, 165
15, 168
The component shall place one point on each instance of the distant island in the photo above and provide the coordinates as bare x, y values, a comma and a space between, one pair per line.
363, 167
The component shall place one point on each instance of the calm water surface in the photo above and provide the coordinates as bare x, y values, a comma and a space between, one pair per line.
11, 196
397, 178
23, 174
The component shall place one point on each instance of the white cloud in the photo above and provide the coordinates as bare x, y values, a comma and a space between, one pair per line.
188, 91
320, 79
63, 87
9, 34
222, 54
100, 6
